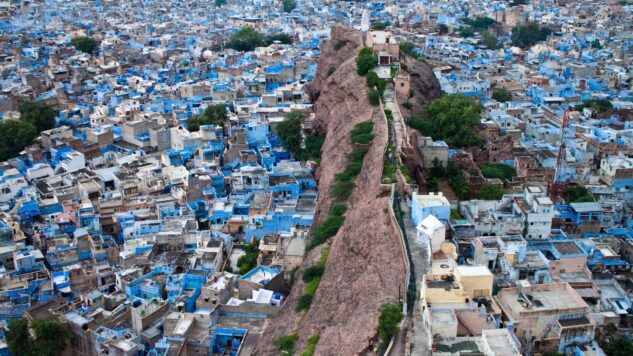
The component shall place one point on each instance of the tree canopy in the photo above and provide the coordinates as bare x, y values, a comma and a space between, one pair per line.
597, 105
389, 322
213, 115
490, 192
501, 94
17, 134
219, 3
490, 41
529, 34
50, 337
85, 44
480, 23
41, 115
365, 61
617, 345
289, 131
289, 5
247, 39
451, 118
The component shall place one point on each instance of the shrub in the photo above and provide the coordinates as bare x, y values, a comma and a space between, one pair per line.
304, 302
389, 322
286, 344
245, 39
312, 272
338, 210
331, 70
362, 133
342, 189
374, 97
326, 229
339, 45
312, 342
313, 145
365, 61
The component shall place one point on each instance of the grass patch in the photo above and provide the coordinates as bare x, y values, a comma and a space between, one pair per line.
497, 170
286, 344
312, 342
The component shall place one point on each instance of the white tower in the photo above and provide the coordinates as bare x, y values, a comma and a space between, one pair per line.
431, 232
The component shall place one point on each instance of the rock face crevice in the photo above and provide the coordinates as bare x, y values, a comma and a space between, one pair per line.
366, 264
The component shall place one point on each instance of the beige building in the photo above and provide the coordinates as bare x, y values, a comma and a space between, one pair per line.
545, 316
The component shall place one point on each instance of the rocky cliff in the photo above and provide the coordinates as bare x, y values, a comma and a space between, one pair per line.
366, 264
423, 82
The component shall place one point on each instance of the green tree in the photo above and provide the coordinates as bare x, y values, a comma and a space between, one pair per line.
290, 132
245, 39
480, 22
597, 105
281, 37
527, 35
213, 115
365, 61
616, 345
379, 26
437, 168
389, 322
50, 337
18, 337
501, 94
289, 5
466, 31
219, 3
443, 29
596, 44
451, 118
490, 192
490, 41
85, 44
41, 115
15, 135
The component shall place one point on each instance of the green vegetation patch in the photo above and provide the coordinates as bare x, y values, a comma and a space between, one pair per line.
528, 35
451, 118
248, 261
85, 44
597, 105
389, 322
213, 115
577, 195
285, 344
39, 338
312, 343
497, 170
365, 61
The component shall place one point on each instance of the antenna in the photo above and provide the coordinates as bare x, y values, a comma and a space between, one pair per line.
558, 181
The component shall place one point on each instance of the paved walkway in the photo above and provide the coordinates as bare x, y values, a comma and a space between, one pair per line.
419, 254
390, 103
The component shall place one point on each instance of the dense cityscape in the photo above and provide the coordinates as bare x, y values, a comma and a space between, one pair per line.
316, 177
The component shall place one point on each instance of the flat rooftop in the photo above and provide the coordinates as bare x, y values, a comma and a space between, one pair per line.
544, 297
